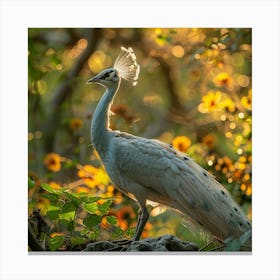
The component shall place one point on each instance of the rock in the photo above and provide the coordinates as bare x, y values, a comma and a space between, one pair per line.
100, 246
161, 244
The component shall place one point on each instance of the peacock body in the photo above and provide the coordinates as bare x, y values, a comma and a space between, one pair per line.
147, 169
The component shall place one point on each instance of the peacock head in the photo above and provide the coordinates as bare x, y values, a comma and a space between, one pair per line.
107, 78
125, 67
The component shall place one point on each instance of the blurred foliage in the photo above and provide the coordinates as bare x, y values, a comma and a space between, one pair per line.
194, 91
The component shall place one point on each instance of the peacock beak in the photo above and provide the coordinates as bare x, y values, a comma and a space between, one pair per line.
93, 80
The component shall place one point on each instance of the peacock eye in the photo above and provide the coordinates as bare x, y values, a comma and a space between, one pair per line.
107, 75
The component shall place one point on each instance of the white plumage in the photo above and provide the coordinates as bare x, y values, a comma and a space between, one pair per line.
147, 169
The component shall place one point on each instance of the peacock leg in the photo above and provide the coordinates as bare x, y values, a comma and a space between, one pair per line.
142, 220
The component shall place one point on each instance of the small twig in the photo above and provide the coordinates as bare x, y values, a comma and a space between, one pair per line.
207, 245
33, 243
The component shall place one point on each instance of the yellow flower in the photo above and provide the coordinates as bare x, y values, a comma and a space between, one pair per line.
246, 189
223, 80
43, 204
76, 123
210, 102
53, 162
181, 143
109, 191
93, 176
228, 105
243, 187
249, 190
247, 100
88, 172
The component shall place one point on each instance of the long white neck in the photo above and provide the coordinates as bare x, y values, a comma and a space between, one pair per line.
100, 136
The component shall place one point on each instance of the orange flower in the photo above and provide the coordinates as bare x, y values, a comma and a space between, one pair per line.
237, 174
209, 140
223, 80
123, 216
54, 185
146, 230
76, 123
225, 165
53, 234
53, 162
82, 190
181, 143
123, 112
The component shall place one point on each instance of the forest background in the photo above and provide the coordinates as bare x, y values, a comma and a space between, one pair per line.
194, 91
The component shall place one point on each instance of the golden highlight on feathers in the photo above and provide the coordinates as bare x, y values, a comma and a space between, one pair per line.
127, 66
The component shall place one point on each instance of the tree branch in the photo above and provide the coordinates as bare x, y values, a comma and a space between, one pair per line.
65, 89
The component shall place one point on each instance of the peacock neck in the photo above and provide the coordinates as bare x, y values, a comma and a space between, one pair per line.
100, 131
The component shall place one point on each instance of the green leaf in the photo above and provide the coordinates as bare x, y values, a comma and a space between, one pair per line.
53, 215
68, 216
48, 188
117, 232
69, 207
51, 196
53, 212
89, 199
104, 208
130, 232
92, 220
77, 241
31, 183
91, 207
70, 226
94, 234
56, 242
112, 220
53, 208
84, 232
55, 60
72, 197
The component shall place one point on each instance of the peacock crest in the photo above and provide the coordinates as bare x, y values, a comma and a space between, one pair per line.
127, 66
